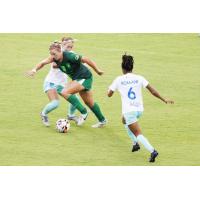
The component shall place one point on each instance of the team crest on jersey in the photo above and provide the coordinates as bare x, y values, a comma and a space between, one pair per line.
77, 57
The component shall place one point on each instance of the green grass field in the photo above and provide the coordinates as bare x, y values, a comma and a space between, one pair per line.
169, 61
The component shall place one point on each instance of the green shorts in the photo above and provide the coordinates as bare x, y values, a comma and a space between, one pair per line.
86, 83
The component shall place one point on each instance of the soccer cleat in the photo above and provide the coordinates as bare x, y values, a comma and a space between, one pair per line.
81, 119
100, 124
136, 147
72, 118
154, 154
45, 119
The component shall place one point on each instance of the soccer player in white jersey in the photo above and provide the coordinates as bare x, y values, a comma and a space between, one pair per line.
54, 83
130, 87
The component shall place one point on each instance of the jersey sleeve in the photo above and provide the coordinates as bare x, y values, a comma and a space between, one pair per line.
144, 82
114, 85
73, 57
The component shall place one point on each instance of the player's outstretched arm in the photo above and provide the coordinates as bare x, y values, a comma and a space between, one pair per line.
40, 65
156, 94
92, 65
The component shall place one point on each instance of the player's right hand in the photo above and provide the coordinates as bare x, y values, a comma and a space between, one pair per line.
167, 101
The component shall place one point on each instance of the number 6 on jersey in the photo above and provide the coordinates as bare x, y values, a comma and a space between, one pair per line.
131, 94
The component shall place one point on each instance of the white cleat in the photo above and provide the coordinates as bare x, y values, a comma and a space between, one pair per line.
45, 119
73, 118
82, 119
100, 124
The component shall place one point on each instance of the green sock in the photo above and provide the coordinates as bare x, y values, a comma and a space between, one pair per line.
77, 104
96, 110
72, 109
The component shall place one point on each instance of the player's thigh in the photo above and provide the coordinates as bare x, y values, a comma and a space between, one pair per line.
131, 119
73, 87
52, 94
87, 97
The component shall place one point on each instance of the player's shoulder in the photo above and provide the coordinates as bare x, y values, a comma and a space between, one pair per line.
139, 76
118, 78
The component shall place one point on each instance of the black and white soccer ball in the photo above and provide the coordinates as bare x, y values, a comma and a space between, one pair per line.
62, 125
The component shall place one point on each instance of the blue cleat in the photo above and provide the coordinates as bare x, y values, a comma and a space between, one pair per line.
154, 154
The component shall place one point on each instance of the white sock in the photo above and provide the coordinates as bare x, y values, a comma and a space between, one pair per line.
145, 142
71, 115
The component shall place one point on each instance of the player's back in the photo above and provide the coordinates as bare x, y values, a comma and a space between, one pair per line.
130, 88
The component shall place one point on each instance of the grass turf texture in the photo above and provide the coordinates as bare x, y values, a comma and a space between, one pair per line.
169, 61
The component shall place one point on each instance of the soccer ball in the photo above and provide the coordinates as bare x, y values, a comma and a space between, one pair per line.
62, 125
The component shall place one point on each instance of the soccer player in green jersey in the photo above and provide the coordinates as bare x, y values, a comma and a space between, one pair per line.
72, 64
54, 82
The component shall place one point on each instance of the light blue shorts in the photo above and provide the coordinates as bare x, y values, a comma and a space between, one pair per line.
49, 86
132, 117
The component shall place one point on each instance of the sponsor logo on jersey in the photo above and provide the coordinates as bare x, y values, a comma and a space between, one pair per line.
63, 68
135, 104
66, 67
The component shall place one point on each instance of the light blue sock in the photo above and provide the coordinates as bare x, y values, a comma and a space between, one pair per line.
130, 134
145, 142
71, 110
50, 106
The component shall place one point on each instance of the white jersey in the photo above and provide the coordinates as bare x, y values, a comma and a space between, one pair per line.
130, 88
56, 76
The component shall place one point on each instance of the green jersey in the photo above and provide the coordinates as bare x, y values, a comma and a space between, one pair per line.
72, 66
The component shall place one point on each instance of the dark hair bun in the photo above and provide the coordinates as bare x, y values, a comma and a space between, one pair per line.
127, 62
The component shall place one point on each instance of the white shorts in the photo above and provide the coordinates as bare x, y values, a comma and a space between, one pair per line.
132, 117
49, 86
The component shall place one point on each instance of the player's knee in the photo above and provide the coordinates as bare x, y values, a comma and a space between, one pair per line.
55, 103
89, 104
65, 94
136, 133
